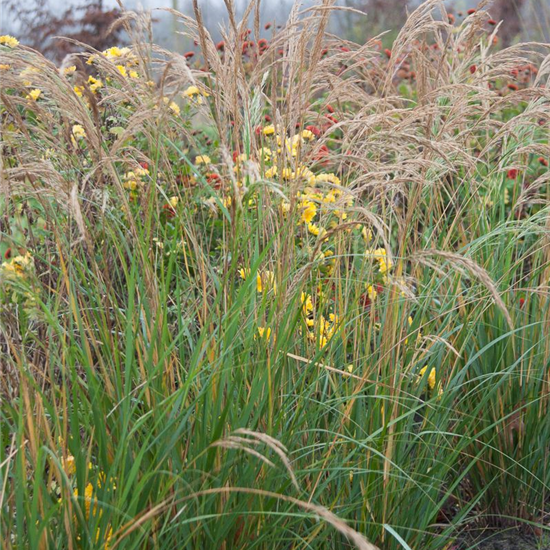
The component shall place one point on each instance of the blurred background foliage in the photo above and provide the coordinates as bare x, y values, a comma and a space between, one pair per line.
38, 23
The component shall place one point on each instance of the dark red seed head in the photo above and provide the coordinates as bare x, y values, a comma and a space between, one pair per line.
7, 254
543, 161
387, 51
473, 68
471, 11
267, 26
512, 174
189, 55
220, 46
492, 22
330, 108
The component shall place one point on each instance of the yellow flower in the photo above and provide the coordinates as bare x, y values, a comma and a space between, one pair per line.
307, 303
173, 106
17, 266
271, 173
122, 70
327, 178
173, 201
313, 229
9, 41
94, 83
308, 134
193, 92
33, 95
268, 130
309, 211
133, 74
202, 159
69, 465
380, 254
244, 272
431, 376
78, 90
264, 332
115, 52
78, 131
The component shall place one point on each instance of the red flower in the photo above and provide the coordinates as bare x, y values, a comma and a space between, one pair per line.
322, 153
281, 52
344, 49
168, 210
473, 68
521, 302
7, 254
220, 46
387, 51
314, 130
470, 11
512, 174
324, 52
144, 165
267, 26
451, 18
235, 155
492, 22
513, 87
543, 161
189, 55
267, 118
332, 119
330, 108
262, 44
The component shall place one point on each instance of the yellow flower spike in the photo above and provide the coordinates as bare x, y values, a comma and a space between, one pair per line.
307, 303
69, 465
431, 376
9, 41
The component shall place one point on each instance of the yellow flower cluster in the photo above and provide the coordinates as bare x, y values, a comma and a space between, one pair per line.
135, 179
381, 256
9, 41
195, 93
17, 267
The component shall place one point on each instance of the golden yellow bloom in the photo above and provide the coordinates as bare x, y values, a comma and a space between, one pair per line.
202, 159
268, 130
173, 106
122, 70
9, 41
431, 376
95, 84
33, 95
307, 303
133, 74
174, 201
78, 131
194, 92
380, 254
78, 90
264, 332
271, 173
115, 52
308, 134
69, 70
309, 211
